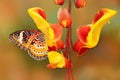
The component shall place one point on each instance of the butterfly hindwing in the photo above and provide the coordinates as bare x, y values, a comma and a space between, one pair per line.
33, 41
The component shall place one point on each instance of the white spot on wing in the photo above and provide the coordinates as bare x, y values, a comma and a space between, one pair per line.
38, 46
21, 36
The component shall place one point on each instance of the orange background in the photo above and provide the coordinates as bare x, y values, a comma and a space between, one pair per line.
99, 63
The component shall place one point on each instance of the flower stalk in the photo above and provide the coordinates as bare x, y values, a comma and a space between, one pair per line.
68, 44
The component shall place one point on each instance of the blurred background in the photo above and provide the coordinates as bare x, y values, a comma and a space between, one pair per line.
99, 63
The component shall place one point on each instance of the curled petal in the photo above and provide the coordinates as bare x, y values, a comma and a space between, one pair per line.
39, 11
82, 33
57, 29
80, 44
38, 15
100, 19
57, 60
58, 44
80, 47
88, 36
64, 18
80, 3
59, 2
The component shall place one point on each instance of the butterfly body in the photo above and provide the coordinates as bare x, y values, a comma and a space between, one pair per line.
33, 41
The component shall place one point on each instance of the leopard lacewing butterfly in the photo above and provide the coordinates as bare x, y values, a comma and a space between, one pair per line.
32, 41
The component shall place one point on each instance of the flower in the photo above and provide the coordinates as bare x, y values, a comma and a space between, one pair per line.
53, 32
64, 17
59, 2
57, 60
88, 35
80, 3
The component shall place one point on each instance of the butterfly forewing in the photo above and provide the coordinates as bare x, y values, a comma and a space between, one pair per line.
33, 41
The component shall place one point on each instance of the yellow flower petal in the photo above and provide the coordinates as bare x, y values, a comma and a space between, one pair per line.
100, 19
56, 59
42, 24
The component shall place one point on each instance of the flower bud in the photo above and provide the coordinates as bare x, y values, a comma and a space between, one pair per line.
64, 18
59, 2
80, 3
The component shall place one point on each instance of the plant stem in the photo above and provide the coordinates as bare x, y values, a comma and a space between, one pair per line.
68, 43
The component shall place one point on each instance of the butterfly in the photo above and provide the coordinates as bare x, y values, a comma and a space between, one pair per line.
32, 41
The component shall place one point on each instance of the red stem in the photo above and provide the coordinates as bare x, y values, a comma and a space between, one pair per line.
69, 44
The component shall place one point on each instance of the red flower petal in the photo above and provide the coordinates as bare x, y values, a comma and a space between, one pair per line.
50, 66
64, 18
52, 48
77, 46
60, 44
80, 48
40, 12
102, 13
57, 31
68, 64
99, 14
80, 3
82, 33
82, 51
59, 2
